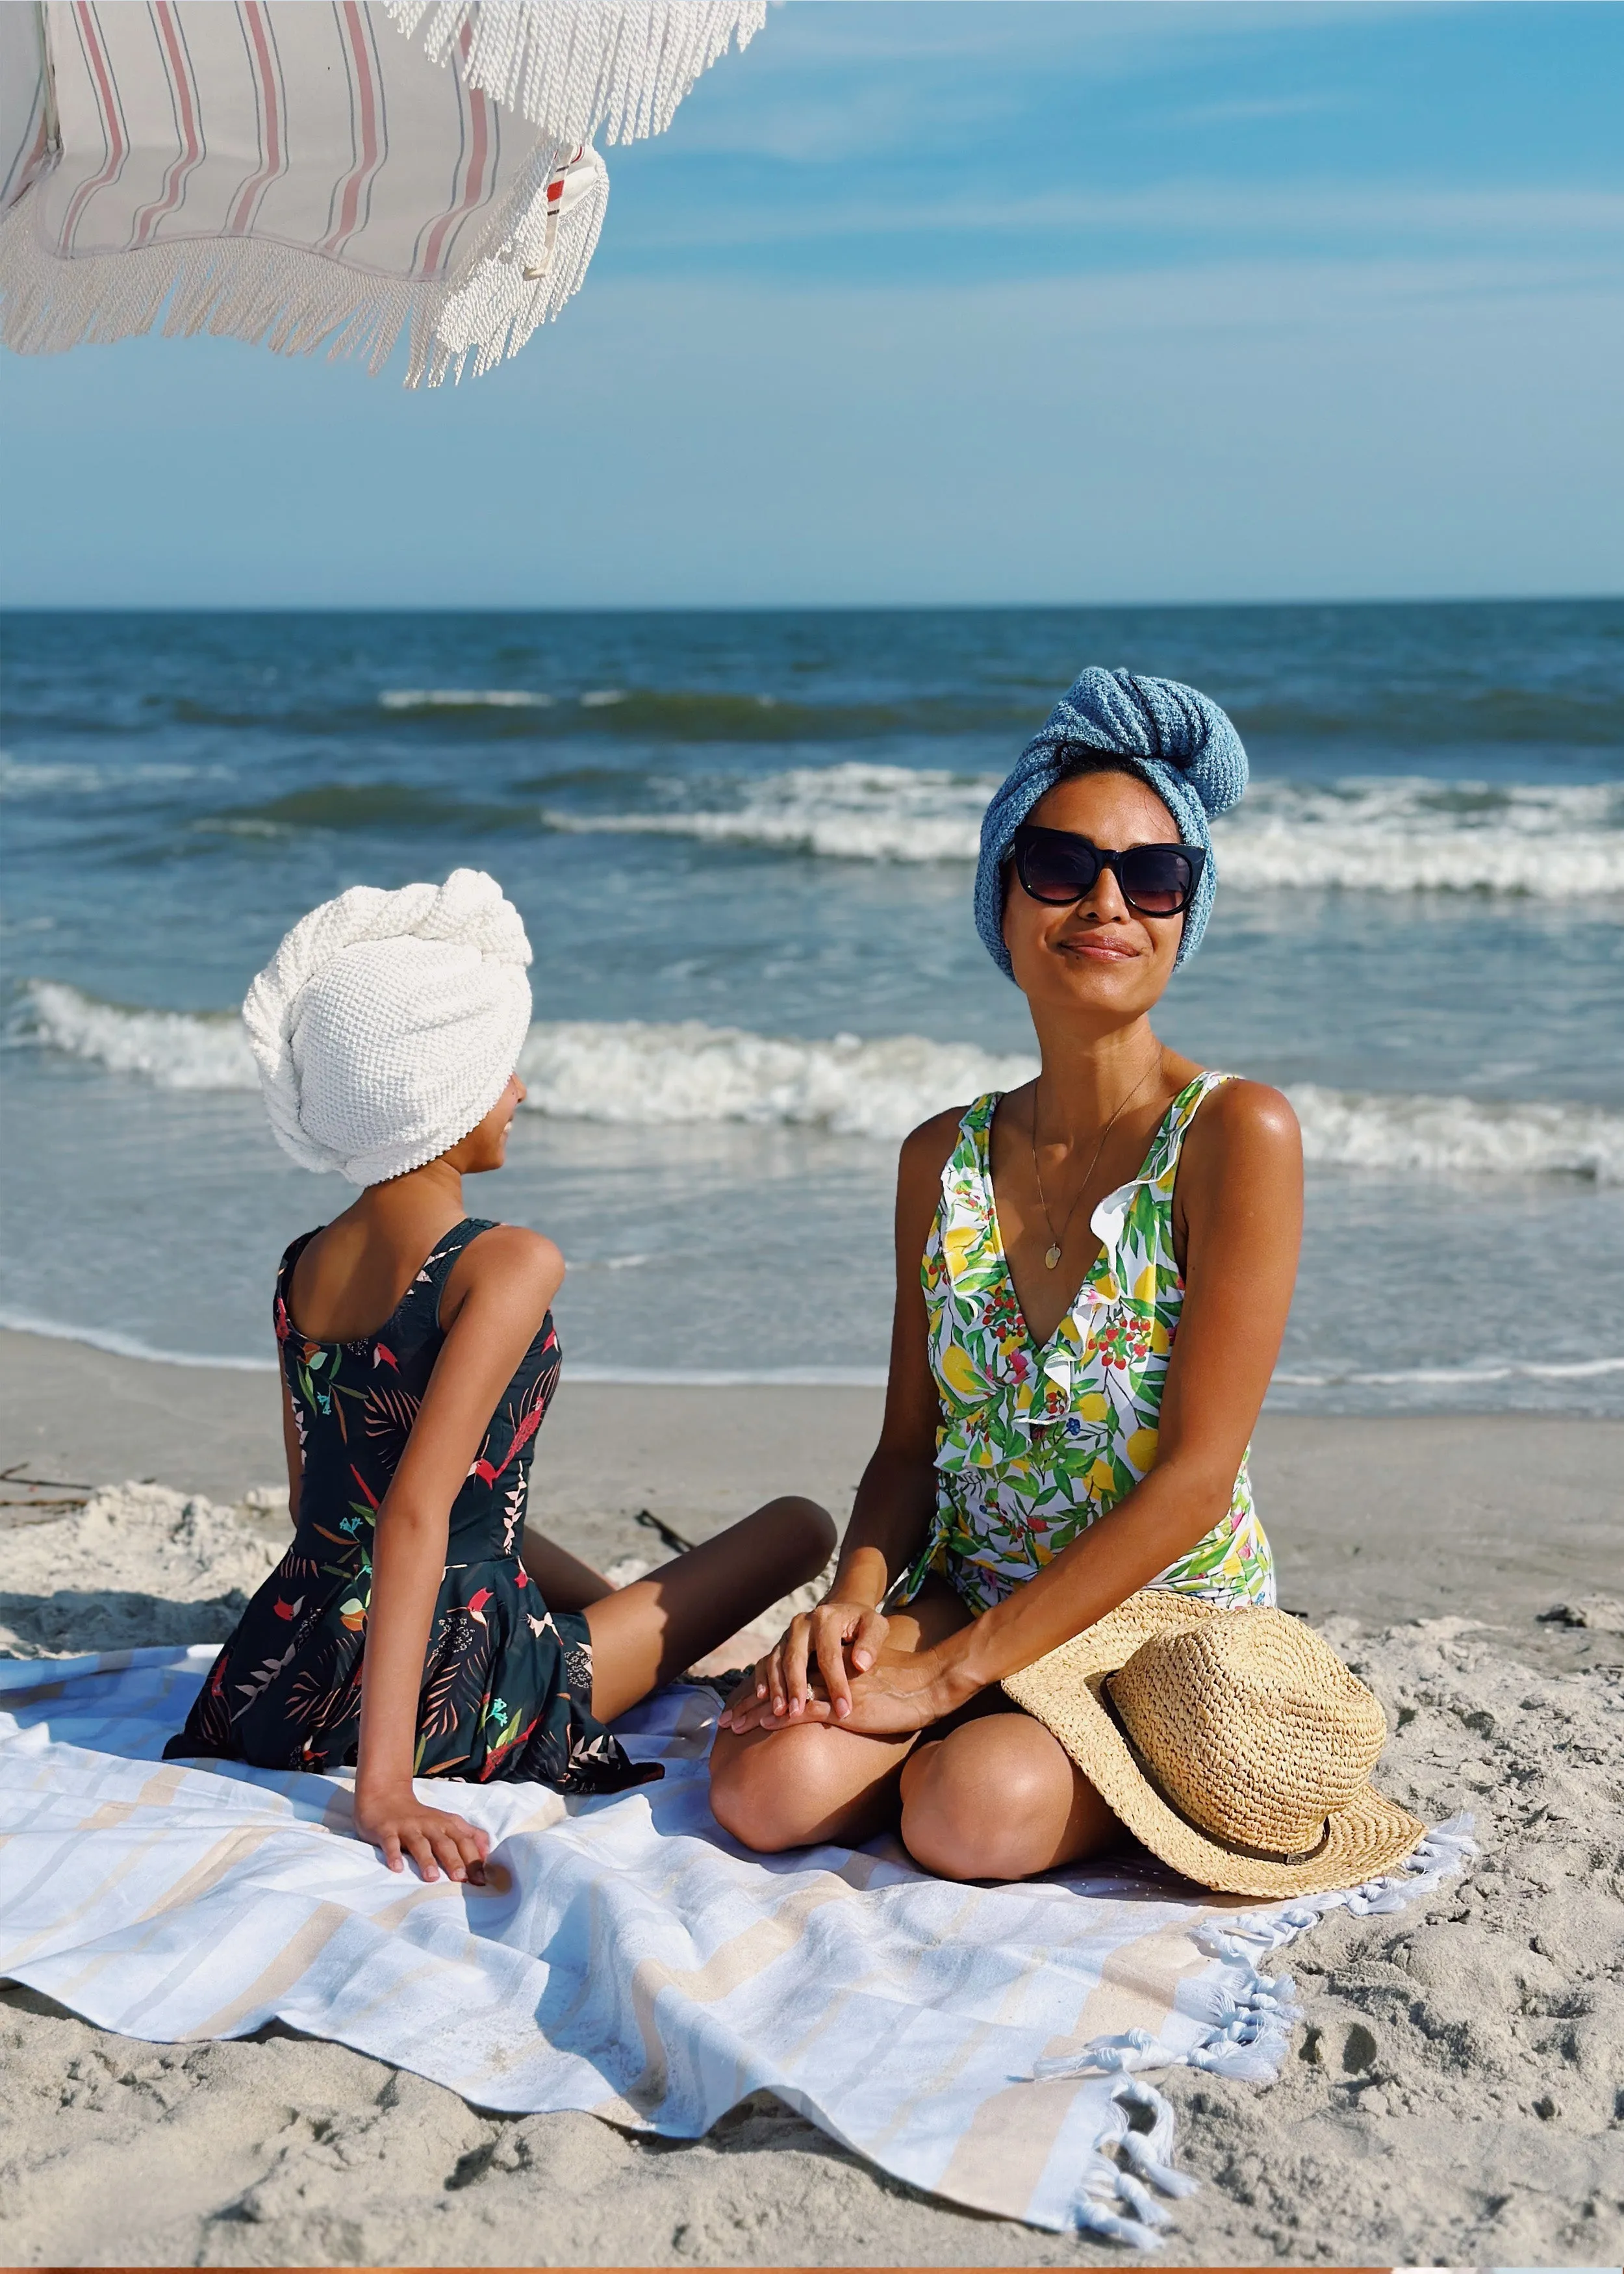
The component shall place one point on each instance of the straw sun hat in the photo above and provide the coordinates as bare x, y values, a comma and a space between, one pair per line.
1235, 1745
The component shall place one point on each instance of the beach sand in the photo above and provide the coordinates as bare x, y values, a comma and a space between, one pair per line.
1455, 2094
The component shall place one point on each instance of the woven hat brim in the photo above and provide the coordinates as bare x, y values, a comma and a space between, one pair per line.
1063, 1691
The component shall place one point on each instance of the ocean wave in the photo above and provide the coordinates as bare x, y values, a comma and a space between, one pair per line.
1410, 833
173, 1049
1468, 1376
1392, 1132
106, 1338
1388, 835
463, 699
846, 812
1472, 1375
362, 806
1403, 716
676, 714
643, 1074
23, 777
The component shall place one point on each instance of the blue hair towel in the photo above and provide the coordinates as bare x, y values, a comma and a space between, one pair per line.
1184, 746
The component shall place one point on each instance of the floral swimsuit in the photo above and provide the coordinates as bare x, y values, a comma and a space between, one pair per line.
1034, 1445
506, 1683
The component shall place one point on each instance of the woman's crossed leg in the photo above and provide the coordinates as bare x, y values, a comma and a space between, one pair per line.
987, 1794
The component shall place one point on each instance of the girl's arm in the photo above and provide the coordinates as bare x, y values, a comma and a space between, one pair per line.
494, 1302
1240, 1191
898, 1493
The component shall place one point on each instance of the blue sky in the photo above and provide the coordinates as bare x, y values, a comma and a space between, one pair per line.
988, 301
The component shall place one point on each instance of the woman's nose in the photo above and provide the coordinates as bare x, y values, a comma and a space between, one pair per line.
1105, 901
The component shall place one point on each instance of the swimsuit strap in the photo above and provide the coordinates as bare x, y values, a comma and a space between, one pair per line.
437, 1266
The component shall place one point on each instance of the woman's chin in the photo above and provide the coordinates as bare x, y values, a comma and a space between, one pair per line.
1095, 985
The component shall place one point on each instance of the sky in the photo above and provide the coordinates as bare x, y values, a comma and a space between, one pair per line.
956, 302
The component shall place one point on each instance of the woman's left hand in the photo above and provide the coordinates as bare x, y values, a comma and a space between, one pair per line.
908, 1691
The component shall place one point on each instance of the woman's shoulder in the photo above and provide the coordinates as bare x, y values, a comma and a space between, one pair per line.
927, 1150
1242, 1128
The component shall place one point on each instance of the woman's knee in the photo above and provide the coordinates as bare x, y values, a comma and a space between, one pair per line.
976, 1808
776, 1791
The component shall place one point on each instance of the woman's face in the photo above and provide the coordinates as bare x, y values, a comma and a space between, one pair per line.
1097, 954
486, 1145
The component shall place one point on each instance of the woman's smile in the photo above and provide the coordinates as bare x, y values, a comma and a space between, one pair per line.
1104, 948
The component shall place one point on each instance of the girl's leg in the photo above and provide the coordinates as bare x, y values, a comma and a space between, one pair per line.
811, 1781
999, 1798
567, 1584
646, 1633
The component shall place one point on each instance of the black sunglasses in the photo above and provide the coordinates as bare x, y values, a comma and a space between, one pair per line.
1156, 880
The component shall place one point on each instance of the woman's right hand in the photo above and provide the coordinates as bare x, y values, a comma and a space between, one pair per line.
837, 1639
399, 1823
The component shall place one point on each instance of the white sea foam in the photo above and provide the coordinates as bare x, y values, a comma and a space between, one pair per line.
1556, 841
20, 778
647, 1076
462, 698
1456, 1377
105, 1339
1389, 835
174, 1049
849, 812
1458, 1136
1468, 1377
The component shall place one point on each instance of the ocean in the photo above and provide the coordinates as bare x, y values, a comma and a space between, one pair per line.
742, 845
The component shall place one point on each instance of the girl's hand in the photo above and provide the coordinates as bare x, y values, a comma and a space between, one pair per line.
780, 1689
399, 1823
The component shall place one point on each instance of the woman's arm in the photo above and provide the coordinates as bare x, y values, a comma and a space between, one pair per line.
897, 1492
497, 1296
1240, 1192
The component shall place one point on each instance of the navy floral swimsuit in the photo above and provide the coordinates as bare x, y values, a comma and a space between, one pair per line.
507, 1684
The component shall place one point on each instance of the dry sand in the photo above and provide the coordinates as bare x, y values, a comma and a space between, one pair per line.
1455, 2091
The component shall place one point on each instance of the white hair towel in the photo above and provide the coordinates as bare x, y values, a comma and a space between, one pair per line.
387, 1024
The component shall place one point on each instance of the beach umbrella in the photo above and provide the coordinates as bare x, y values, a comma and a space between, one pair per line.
307, 173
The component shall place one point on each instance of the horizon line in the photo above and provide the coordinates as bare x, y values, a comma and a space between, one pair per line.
794, 607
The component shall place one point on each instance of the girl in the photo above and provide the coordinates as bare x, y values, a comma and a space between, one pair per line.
404, 1633
1093, 1274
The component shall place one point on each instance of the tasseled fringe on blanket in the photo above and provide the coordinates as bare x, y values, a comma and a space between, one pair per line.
533, 259
1249, 2017
573, 66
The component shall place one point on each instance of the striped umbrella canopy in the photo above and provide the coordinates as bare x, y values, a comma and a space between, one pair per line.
310, 172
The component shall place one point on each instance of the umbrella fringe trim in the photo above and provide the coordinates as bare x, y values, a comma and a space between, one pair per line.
530, 262
574, 67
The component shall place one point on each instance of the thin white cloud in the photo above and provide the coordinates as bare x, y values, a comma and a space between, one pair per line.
827, 81
1280, 213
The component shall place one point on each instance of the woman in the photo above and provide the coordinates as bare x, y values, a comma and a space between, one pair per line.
1108, 1259
404, 1632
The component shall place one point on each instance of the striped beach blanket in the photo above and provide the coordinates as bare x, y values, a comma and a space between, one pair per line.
989, 2045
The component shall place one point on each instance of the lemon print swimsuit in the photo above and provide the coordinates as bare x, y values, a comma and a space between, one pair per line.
1034, 1445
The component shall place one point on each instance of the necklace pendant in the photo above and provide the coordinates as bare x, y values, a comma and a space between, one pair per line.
1051, 1258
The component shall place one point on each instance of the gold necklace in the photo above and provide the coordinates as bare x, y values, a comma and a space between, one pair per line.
1056, 1239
